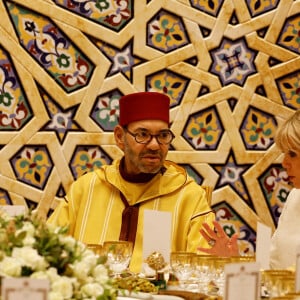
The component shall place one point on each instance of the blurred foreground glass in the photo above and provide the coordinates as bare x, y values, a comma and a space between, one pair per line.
287, 297
278, 283
295, 295
182, 266
242, 259
118, 256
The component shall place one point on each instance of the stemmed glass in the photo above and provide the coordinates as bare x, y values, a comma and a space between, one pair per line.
203, 271
118, 255
183, 266
210, 273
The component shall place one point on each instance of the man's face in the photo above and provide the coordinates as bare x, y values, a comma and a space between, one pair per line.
142, 158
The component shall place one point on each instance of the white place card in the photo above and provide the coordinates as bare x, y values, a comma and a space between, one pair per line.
157, 233
242, 281
263, 245
24, 288
12, 210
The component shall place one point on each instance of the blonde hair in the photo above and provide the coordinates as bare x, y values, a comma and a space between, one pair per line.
288, 135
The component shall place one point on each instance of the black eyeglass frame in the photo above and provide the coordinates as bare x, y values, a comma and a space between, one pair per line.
151, 136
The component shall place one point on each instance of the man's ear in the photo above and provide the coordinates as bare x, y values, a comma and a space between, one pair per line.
119, 136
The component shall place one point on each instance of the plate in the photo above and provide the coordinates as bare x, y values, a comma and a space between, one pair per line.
128, 298
167, 297
135, 295
145, 296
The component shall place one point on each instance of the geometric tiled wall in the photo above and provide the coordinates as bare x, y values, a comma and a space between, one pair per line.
231, 69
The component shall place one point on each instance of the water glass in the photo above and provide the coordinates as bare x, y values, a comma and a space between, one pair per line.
118, 255
183, 266
218, 275
209, 274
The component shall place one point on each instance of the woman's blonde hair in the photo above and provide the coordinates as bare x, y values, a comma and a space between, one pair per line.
288, 135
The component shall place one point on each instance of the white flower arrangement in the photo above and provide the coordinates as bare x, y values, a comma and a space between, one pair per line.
31, 248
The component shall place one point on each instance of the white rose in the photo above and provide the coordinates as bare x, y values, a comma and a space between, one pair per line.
80, 248
29, 228
92, 290
81, 270
29, 241
55, 296
10, 267
64, 286
86, 252
39, 275
68, 241
90, 258
100, 274
29, 257
52, 274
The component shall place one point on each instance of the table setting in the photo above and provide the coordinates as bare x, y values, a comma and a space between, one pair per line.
192, 276
148, 287
41, 262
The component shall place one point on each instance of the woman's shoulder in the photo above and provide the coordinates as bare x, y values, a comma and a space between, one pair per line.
294, 193
292, 201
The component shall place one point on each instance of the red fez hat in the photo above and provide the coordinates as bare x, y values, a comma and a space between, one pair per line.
144, 106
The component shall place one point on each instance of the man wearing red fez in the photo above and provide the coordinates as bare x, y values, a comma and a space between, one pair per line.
109, 203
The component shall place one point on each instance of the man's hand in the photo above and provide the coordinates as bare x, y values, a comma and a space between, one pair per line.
221, 244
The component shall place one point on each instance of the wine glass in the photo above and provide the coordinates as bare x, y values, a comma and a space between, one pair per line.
182, 265
203, 271
118, 255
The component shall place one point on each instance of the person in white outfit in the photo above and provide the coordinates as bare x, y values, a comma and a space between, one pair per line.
286, 237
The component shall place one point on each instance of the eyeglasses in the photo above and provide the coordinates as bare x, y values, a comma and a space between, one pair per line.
144, 137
